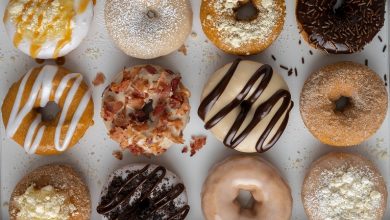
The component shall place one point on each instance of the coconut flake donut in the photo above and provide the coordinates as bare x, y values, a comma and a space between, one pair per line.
51, 192
246, 105
344, 186
148, 29
363, 112
146, 109
271, 194
143, 191
48, 29
222, 24
24, 104
340, 28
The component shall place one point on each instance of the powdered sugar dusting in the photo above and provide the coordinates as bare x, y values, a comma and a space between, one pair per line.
148, 29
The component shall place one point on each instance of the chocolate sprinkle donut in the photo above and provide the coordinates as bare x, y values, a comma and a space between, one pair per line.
144, 191
340, 28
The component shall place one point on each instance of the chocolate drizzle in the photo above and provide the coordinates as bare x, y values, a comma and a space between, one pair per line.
232, 139
345, 29
136, 197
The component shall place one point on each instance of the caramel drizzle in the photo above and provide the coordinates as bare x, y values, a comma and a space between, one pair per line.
232, 139
124, 194
39, 37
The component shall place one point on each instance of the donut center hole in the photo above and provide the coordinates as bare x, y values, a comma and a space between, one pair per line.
246, 11
245, 199
338, 8
342, 104
151, 14
49, 112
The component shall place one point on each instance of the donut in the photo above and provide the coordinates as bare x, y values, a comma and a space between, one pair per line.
47, 29
246, 105
25, 103
344, 186
146, 109
365, 103
53, 191
240, 35
271, 195
143, 191
340, 28
148, 29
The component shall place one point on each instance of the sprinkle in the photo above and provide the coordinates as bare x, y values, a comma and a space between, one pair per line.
283, 67
366, 62
380, 38
311, 52
273, 57
384, 48
299, 41
290, 72
296, 71
303, 60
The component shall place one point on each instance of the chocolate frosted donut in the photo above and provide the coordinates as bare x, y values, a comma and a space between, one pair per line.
246, 105
343, 104
143, 191
340, 28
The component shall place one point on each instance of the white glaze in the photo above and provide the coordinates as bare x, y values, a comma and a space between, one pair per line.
43, 86
80, 27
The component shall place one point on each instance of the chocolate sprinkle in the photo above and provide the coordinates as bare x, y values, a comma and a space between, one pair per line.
380, 38
284, 67
273, 57
311, 52
290, 72
366, 62
303, 60
344, 30
384, 48
296, 71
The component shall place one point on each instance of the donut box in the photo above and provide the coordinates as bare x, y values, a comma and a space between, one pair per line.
94, 155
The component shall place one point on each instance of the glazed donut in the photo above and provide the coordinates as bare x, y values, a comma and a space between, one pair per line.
68, 195
25, 100
143, 191
146, 109
246, 105
148, 29
47, 30
271, 193
344, 28
344, 186
224, 27
361, 116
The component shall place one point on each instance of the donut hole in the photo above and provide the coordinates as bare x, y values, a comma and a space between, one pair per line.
151, 14
246, 11
342, 104
49, 112
245, 199
338, 8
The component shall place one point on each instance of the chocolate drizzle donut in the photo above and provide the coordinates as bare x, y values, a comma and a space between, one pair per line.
259, 98
344, 28
144, 191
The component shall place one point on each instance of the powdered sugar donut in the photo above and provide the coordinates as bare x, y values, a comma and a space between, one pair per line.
143, 191
49, 29
148, 29
146, 109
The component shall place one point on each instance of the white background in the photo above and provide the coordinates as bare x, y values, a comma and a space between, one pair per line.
92, 157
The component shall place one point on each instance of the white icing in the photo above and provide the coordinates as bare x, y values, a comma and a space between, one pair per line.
43, 86
80, 27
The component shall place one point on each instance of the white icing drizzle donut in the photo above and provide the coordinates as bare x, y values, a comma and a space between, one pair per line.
42, 89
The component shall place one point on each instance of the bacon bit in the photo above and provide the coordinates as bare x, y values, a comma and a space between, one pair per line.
176, 101
184, 150
175, 83
170, 72
121, 120
139, 116
134, 149
120, 87
99, 79
131, 74
159, 109
183, 50
118, 154
110, 108
135, 103
151, 69
197, 143
140, 84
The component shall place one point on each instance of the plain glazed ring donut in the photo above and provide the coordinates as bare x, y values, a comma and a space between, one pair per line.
271, 193
148, 29
360, 116
223, 25
344, 186
344, 28
26, 100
